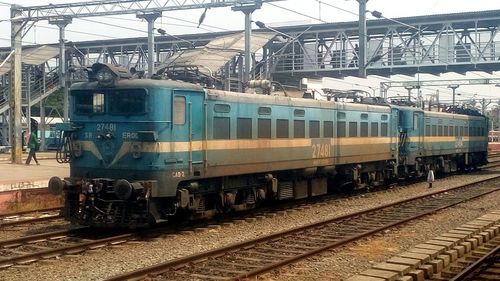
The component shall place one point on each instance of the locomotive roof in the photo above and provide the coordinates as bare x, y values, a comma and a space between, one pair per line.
143, 83
452, 115
282, 100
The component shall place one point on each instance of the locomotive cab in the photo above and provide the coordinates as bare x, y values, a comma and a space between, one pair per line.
120, 146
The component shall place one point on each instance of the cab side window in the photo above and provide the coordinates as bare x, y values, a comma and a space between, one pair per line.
179, 110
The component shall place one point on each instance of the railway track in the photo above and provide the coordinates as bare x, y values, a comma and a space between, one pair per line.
29, 249
28, 217
41, 215
480, 265
257, 256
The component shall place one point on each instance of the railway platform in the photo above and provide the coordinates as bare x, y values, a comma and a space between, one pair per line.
14, 177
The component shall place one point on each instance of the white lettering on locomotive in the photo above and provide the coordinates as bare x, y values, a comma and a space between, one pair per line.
129, 136
108, 127
321, 150
178, 174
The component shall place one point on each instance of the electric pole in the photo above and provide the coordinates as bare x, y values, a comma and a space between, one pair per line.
362, 39
15, 87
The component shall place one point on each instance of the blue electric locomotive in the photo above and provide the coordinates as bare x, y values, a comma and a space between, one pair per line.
144, 150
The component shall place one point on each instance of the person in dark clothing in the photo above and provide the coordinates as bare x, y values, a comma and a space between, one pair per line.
33, 145
355, 59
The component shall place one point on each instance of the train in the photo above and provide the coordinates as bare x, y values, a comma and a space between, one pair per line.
145, 151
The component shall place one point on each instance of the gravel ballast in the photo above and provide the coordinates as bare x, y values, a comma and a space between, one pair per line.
333, 265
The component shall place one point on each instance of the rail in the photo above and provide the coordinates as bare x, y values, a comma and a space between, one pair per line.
471, 271
250, 258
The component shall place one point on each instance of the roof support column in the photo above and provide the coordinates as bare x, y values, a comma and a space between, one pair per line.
62, 23
15, 87
150, 18
362, 38
248, 10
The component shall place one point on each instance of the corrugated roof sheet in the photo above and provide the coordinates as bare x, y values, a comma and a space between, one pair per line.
213, 56
34, 56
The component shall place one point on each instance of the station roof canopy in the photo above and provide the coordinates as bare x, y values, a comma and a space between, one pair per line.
219, 51
34, 56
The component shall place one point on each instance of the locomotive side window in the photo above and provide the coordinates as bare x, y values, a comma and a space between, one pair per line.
221, 128
89, 103
434, 130
222, 108
299, 113
445, 131
456, 131
353, 129
244, 128
129, 102
314, 129
440, 130
282, 130
374, 129
466, 133
341, 129
264, 128
299, 130
384, 130
364, 116
341, 115
461, 131
364, 129
328, 129
427, 130
265, 111
384, 117
179, 110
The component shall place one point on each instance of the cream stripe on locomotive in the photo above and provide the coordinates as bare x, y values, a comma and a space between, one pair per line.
169, 147
445, 139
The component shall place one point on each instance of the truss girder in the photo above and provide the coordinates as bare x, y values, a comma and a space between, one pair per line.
440, 43
455, 42
120, 7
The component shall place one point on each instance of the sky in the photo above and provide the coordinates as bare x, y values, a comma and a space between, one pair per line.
220, 19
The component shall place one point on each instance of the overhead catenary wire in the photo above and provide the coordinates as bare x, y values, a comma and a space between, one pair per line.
138, 30
297, 12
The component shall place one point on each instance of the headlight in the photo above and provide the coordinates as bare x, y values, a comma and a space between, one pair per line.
77, 149
136, 150
104, 76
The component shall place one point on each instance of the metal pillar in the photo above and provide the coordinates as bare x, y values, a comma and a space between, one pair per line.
240, 74
227, 78
62, 23
42, 126
15, 86
150, 18
454, 88
28, 99
248, 10
248, 36
362, 39
409, 92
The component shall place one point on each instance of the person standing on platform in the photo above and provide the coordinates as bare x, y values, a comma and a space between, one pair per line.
33, 145
430, 178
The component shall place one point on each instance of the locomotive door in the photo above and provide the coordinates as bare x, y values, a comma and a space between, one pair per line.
418, 129
188, 128
394, 128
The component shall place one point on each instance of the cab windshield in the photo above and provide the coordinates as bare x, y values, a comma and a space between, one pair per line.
113, 102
